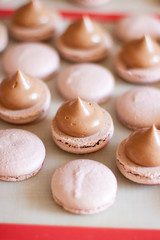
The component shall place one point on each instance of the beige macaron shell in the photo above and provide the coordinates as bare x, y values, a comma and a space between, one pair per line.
3, 37
91, 3
43, 32
31, 58
85, 55
84, 186
84, 145
28, 114
87, 81
137, 75
134, 172
21, 154
139, 107
136, 26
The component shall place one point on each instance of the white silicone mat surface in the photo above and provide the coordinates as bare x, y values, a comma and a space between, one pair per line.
136, 206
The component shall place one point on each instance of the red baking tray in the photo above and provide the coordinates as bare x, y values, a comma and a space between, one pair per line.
41, 232
7, 13
37, 232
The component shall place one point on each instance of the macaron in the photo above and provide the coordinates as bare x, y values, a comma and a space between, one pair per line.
28, 101
3, 37
139, 107
22, 155
34, 22
84, 41
81, 127
84, 186
137, 156
87, 81
35, 59
136, 26
138, 61
91, 3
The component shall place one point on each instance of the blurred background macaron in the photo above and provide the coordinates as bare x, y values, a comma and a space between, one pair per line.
35, 59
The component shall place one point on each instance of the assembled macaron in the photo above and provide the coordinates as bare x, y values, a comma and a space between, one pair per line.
84, 41
84, 186
35, 59
34, 22
81, 127
87, 81
139, 107
23, 99
138, 156
22, 154
139, 61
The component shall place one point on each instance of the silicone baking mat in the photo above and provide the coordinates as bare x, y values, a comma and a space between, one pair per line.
131, 211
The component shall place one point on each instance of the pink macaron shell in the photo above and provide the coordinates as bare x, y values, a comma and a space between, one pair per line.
92, 3
44, 32
137, 75
84, 145
22, 154
3, 37
84, 186
134, 172
139, 107
87, 81
136, 26
30, 114
35, 59
85, 55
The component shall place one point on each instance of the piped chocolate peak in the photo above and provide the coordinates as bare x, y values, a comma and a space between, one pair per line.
32, 14
141, 53
20, 91
79, 118
143, 147
83, 34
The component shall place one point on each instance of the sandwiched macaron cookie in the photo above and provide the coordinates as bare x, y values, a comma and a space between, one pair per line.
84, 41
23, 99
91, 3
22, 154
87, 81
81, 127
34, 22
137, 26
3, 37
84, 186
139, 61
36, 59
138, 156
139, 107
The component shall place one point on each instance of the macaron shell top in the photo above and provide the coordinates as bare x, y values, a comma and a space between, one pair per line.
3, 37
136, 26
87, 81
84, 186
91, 3
35, 59
139, 107
21, 154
